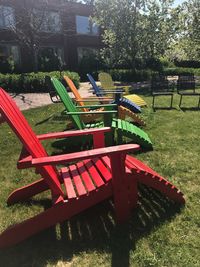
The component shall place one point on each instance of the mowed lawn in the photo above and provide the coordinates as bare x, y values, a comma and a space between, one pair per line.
159, 232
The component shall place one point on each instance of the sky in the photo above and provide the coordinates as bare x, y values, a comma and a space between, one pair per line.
178, 2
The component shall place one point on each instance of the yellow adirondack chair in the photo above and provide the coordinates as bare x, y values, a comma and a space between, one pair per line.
108, 84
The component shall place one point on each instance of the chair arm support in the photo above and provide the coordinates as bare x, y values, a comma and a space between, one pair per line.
73, 133
99, 152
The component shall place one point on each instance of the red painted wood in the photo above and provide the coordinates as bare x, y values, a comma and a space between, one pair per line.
19, 125
73, 133
93, 172
68, 183
106, 174
25, 162
62, 159
132, 190
77, 180
27, 191
80, 179
98, 140
120, 187
52, 216
86, 177
149, 177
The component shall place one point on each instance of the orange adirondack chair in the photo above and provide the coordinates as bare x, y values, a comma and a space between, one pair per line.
122, 111
98, 174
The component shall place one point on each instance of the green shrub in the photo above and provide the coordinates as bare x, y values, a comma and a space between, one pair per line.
129, 75
33, 82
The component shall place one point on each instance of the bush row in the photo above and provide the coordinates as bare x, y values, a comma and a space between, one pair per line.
128, 75
187, 63
33, 82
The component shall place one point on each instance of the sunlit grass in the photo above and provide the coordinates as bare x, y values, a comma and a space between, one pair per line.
159, 233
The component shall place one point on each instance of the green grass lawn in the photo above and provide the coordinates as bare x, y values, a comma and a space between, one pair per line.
159, 233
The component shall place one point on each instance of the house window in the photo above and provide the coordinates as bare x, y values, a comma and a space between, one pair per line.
88, 58
9, 58
87, 53
84, 25
50, 58
7, 18
46, 21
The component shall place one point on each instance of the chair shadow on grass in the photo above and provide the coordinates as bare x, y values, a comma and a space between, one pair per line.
94, 230
163, 108
184, 109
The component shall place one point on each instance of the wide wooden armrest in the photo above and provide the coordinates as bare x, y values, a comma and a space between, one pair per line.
91, 112
25, 162
99, 152
98, 106
73, 133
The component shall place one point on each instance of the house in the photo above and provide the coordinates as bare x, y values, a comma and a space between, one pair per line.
46, 35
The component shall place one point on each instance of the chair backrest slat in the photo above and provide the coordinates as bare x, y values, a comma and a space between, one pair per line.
94, 85
21, 128
75, 92
106, 80
69, 105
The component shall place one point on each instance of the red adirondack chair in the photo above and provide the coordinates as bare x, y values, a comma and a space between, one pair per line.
98, 174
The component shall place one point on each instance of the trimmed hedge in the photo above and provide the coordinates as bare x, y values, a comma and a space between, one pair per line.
128, 75
33, 82
187, 63
181, 71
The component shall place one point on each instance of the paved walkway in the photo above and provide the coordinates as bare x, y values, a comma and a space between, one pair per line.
33, 100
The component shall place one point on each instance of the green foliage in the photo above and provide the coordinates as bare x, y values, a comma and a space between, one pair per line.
7, 65
134, 29
183, 71
186, 43
187, 63
33, 82
129, 75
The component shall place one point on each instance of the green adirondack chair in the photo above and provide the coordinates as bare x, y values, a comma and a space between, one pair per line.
121, 127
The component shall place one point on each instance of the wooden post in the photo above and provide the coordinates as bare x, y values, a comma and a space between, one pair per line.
120, 187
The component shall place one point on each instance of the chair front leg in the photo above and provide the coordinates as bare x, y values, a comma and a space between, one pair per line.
171, 101
180, 101
120, 187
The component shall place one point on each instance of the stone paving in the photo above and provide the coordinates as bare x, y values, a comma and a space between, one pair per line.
33, 100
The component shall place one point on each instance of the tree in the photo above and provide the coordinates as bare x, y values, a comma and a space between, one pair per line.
120, 21
186, 45
134, 29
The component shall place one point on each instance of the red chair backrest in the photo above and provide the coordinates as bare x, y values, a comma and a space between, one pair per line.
13, 116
